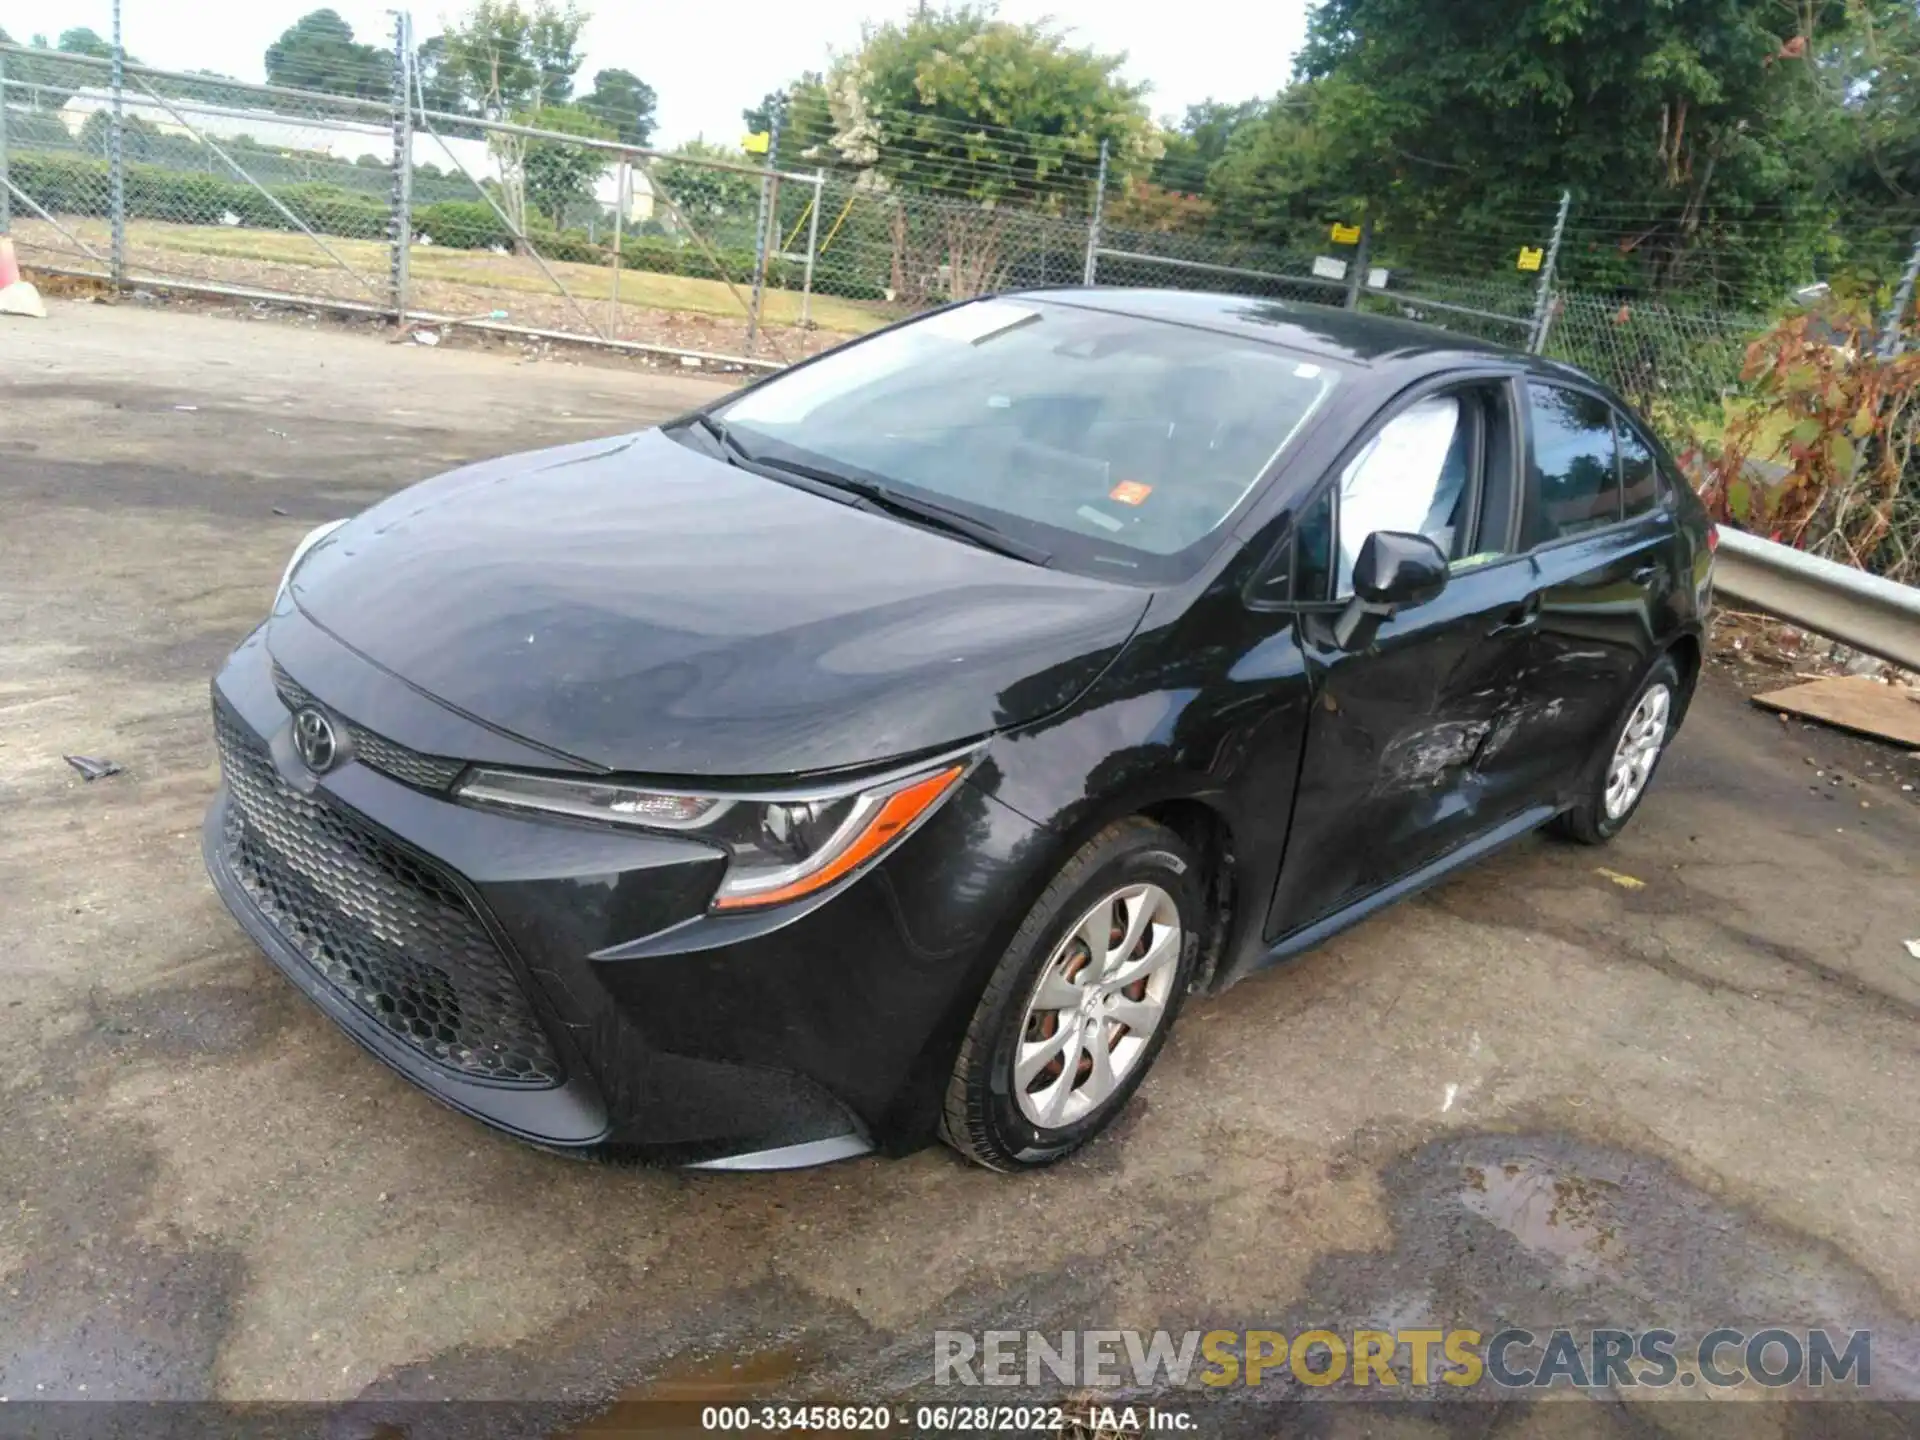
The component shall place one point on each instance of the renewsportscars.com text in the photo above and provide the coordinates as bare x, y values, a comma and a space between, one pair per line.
1772, 1357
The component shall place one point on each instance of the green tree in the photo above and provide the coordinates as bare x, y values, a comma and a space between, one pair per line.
960, 103
1280, 177
555, 173
1870, 143
138, 137
318, 52
82, 41
507, 59
806, 120
624, 101
441, 82
1196, 144
1685, 119
505, 56
710, 199
54, 80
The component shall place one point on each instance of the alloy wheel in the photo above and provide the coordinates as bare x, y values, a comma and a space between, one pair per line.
1096, 1005
1639, 748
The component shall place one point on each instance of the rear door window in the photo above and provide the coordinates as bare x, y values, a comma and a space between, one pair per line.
1639, 471
1575, 470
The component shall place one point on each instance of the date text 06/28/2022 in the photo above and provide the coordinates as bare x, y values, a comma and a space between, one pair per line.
963, 1418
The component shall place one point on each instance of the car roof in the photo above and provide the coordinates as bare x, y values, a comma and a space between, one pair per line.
1320, 330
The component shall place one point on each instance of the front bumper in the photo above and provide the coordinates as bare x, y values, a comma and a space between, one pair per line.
566, 983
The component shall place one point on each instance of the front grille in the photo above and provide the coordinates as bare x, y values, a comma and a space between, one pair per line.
387, 931
409, 767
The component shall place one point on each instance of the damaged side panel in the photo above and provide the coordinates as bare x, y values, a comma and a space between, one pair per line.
1408, 745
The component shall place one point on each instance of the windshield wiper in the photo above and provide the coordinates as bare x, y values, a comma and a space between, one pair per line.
930, 513
736, 454
871, 494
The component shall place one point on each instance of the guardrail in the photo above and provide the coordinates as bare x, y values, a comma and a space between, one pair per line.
1877, 616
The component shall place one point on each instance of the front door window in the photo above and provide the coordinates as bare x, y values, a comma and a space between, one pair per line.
1411, 477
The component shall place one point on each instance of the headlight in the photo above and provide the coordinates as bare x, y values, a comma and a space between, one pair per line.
779, 847
313, 538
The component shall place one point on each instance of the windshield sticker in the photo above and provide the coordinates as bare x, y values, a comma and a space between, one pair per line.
1107, 521
1130, 492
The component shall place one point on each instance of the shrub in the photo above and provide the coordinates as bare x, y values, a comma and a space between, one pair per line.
462, 224
1852, 448
331, 209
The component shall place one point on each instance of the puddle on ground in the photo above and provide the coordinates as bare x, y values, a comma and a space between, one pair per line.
1567, 1216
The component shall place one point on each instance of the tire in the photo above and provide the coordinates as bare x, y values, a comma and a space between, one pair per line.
1599, 814
1146, 877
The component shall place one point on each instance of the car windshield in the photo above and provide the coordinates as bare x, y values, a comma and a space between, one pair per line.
1114, 444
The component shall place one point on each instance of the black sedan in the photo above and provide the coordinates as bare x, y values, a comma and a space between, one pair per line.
885, 751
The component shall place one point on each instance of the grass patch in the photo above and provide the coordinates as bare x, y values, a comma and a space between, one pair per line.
642, 289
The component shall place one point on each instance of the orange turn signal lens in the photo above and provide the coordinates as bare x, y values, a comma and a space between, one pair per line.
889, 822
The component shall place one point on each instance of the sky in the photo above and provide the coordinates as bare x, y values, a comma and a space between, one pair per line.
707, 65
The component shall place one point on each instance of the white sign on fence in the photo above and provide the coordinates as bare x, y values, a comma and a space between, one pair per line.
1328, 267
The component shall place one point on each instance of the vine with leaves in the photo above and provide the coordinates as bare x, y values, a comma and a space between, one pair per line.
1849, 421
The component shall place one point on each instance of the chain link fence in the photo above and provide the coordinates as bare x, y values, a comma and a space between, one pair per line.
381, 203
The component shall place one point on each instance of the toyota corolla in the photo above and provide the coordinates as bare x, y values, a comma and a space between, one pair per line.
885, 751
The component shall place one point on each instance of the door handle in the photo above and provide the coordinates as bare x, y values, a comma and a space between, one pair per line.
1520, 618
1644, 575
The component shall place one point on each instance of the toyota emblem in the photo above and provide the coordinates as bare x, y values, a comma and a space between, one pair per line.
313, 737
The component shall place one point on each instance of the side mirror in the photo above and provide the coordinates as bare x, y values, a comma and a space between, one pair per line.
1395, 570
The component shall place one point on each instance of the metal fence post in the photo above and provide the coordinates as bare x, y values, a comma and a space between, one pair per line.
813, 248
400, 221
1092, 267
622, 184
6, 199
116, 169
761, 227
1357, 276
1543, 298
1902, 297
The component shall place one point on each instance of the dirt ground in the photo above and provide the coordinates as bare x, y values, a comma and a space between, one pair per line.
208, 1191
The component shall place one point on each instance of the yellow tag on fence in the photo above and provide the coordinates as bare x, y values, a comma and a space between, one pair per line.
1530, 258
1346, 234
756, 143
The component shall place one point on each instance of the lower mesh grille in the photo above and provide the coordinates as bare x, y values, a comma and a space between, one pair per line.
389, 933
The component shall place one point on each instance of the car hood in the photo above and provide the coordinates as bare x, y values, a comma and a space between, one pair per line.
635, 605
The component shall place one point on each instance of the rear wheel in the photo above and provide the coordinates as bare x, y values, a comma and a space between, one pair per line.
1618, 777
1080, 1002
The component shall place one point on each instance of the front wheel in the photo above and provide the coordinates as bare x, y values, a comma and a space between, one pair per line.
1080, 1002
1617, 781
